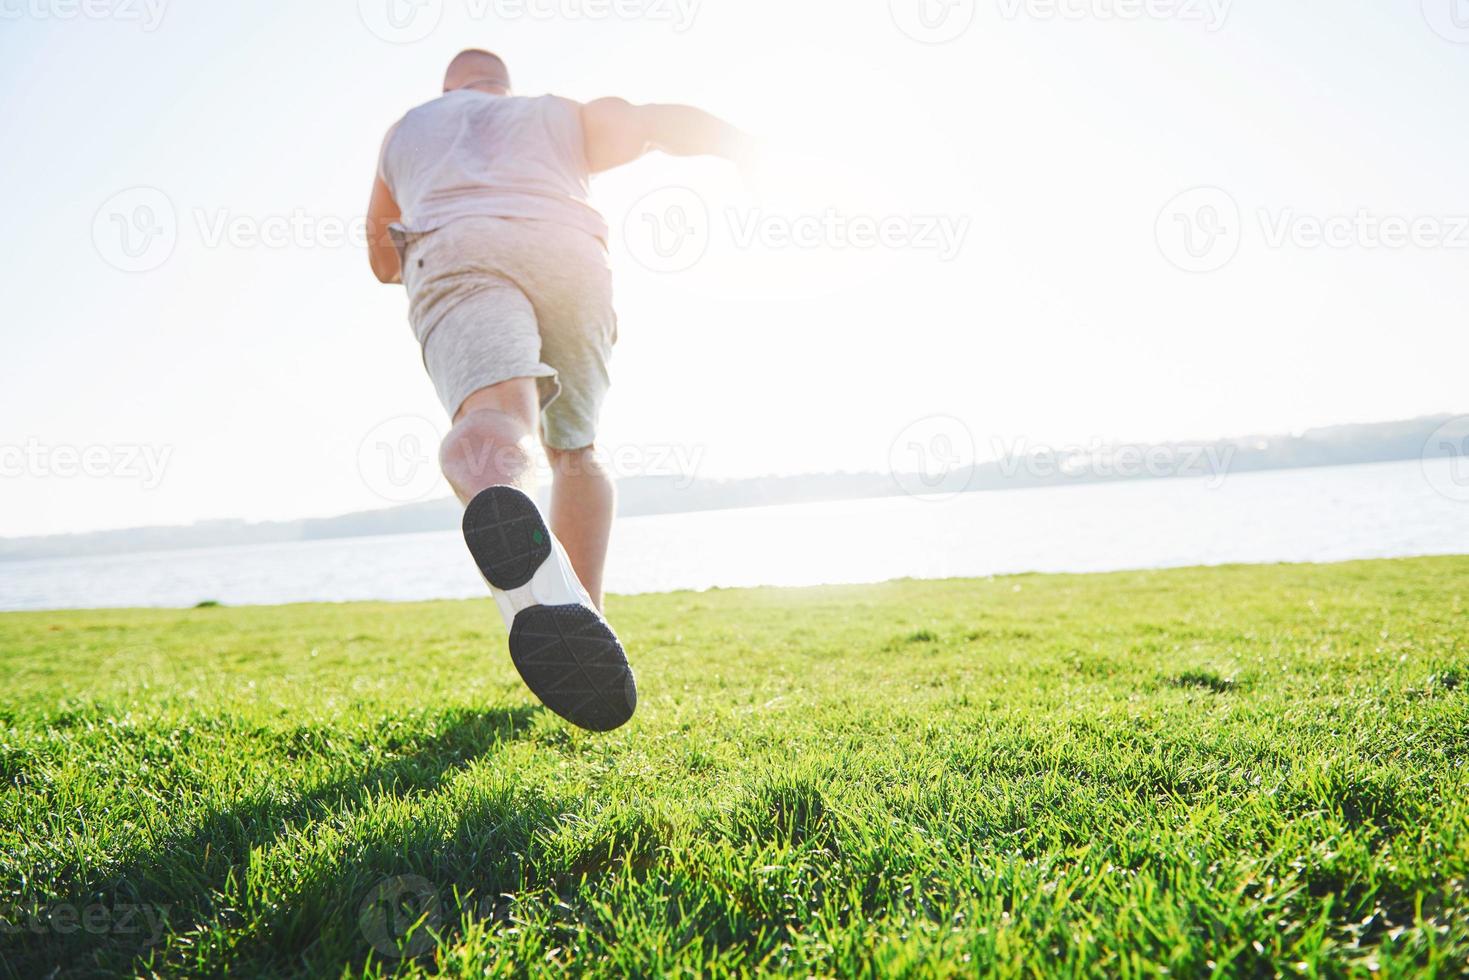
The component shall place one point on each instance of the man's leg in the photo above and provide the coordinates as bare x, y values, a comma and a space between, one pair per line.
565, 652
480, 327
492, 439
583, 500
491, 444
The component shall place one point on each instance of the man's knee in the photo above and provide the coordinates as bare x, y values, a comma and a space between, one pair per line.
486, 444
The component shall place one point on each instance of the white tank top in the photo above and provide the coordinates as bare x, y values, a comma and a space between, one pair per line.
470, 153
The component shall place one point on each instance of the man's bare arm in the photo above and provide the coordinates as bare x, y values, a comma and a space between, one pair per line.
619, 132
382, 210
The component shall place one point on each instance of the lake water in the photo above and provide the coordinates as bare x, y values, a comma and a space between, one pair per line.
1316, 515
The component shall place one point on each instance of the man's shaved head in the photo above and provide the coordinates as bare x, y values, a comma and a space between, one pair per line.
477, 69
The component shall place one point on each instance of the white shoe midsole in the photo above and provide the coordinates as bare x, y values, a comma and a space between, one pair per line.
554, 584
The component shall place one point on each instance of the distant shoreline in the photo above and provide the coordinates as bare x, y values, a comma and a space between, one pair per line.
1026, 468
209, 606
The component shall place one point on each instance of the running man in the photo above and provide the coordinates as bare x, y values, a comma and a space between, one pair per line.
480, 209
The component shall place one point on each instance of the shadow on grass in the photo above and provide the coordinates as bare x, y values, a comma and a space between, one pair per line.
403, 885
179, 884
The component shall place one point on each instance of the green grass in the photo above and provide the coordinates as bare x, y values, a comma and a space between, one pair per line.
1238, 771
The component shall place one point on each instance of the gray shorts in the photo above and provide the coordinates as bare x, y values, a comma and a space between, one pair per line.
492, 299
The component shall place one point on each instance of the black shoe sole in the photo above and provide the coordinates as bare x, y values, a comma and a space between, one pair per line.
570, 659
566, 654
506, 536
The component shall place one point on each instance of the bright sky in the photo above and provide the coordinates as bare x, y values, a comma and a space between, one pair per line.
1046, 139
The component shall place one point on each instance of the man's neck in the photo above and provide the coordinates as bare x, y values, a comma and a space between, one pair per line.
486, 87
